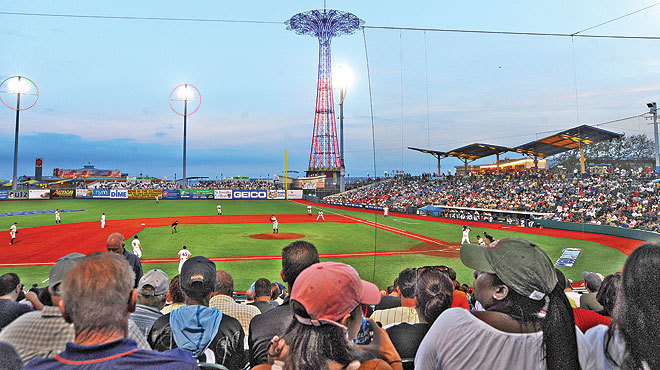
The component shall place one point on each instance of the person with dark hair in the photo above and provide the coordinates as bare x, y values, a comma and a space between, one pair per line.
262, 295
209, 334
98, 297
275, 292
606, 295
174, 297
174, 225
433, 295
115, 244
392, 299
584, 319
296, 257
12, 233
489, 237
406, 312
326, 301
632, 339
222, 298
528, 320
588, 300
10, 287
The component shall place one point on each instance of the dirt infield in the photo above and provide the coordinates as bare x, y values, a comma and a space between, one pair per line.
278, 236
437, 250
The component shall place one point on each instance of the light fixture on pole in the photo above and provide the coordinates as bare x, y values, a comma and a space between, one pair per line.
185, 93
342, 79
18, 85
654, 111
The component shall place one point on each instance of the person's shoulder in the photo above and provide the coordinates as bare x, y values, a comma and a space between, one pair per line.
596, 333
171, 359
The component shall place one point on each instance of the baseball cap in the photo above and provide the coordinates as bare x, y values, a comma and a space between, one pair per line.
198, 269
157, 279
520, 264
60, 269
329, 290
592, 280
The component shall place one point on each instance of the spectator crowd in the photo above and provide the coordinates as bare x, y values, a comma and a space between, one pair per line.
257, 184
102, 311
623, 199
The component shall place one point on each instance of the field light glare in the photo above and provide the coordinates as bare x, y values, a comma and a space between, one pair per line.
18, 85
185, 93
342, 77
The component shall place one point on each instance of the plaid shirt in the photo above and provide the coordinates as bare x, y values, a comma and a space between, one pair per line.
45, 333
242, 313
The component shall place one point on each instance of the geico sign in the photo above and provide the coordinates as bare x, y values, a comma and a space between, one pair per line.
249, 194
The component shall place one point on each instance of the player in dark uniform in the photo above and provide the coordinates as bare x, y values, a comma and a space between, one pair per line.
174, 226
490, 238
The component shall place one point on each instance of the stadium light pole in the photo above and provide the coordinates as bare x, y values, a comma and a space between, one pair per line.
654, 110
18, 85
343, 80
186, 93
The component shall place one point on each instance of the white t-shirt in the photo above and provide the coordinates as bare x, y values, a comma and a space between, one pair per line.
597, 337
184, 254
459, 340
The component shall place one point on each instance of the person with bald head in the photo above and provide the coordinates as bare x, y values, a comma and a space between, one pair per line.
115, 244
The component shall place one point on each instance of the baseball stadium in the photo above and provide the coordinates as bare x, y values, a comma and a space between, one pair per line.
501, 187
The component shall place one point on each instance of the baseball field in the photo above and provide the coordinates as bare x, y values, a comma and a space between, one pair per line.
241, 240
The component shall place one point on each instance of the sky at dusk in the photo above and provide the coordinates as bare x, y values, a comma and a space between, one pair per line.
104, 83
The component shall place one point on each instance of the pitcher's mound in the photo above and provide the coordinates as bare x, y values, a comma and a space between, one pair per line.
438, 250
280, 236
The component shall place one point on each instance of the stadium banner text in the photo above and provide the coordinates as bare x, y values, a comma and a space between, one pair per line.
249, 194
222, 194
171, 194
4, 194
62, 193
276, 194
110, 193
144, 193
84, 193
196, 194
294, 194
39, 194
18, 194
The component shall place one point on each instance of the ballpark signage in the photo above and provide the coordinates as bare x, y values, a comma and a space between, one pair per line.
84, 193
171, 194
144, 193
62, 193
276, 194
18, 194
39, 194
4, 194
294, 194
110, 193
249, 194
196, 194
222, 194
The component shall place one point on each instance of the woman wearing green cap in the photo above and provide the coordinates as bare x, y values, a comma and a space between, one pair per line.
527, 323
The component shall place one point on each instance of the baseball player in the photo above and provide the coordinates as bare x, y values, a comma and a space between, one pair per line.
490, 238
103, 221
386, 210
156, 199
57, 216
309, 210
184, 254
480, 240
174, 224
13, 232
320, 215
273, 219
137, 247
466, 235
219, 207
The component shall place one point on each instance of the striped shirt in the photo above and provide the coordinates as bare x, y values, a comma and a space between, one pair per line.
396, 315
144, 317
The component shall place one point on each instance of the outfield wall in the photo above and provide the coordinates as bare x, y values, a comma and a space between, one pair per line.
220, 194
600, 229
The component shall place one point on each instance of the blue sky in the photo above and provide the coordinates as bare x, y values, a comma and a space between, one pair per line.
104, 84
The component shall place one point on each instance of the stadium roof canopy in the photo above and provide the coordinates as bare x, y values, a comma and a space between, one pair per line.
469, 152
566, 140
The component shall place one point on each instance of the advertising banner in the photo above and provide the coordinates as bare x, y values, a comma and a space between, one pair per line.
144, 193
171, 194
87, 172
84, 193
110, 193
4, 194
196, 194
18, 194
276, 194
62, 193
294, 194
39, 194
249, 194
222, 194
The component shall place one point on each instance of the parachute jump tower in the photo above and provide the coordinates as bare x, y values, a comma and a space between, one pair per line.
324, 156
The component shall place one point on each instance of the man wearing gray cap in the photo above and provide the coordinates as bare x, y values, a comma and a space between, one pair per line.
45, 333
592, 283
152, 288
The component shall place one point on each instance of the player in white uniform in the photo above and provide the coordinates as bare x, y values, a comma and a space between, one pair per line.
320, 215
103, 221
57, 216
137, 247
156, 199
219, 207
466, 235
480, 240
273, 219
184, 254
309, 210
12, 233
386, 210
